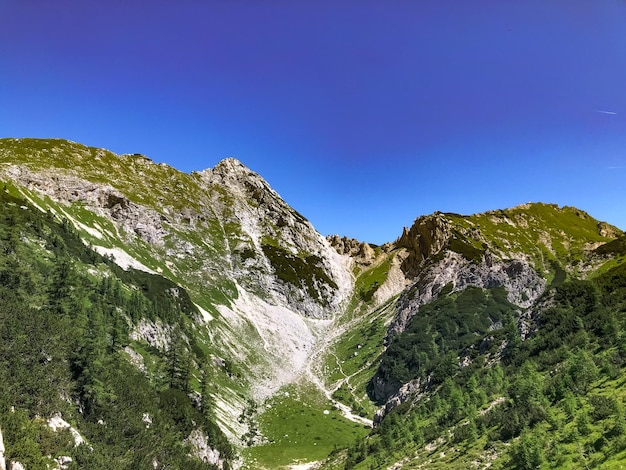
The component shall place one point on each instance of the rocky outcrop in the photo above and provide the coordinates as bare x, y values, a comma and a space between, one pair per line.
522, 283
133, 219
608, 231
63, 461
360, 252
57, 422
155, 333
427, 236
413, 390
2, 460
202, 450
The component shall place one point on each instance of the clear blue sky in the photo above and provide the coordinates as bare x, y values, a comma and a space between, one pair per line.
362, 114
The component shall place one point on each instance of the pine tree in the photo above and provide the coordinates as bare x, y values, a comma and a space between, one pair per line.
179, 364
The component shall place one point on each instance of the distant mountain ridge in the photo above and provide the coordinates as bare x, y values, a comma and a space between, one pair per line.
272, 315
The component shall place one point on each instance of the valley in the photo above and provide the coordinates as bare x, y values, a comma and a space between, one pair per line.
493, 340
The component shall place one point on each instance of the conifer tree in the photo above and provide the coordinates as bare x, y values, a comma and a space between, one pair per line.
179, 365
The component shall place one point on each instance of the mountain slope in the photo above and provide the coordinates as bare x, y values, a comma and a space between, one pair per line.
223, 234
236, 312
498, 302
68, 356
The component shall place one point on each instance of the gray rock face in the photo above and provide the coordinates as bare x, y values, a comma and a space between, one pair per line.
2, 460
103, 199
413, 390
274, 236
202, 450
522, 283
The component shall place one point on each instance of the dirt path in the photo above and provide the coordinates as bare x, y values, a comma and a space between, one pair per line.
312, 372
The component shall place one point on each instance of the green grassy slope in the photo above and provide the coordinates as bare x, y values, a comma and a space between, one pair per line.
544, 233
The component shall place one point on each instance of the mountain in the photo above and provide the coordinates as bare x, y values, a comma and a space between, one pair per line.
153, 318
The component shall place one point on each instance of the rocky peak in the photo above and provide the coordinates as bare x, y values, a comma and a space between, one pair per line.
242, 182
608, 230
230, 165
361, 252
427, 236
230, 172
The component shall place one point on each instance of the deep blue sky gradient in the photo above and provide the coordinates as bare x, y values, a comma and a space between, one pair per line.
363, 115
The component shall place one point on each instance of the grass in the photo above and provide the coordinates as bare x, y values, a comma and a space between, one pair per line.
545, 232
299, 422
354, 358
369, 281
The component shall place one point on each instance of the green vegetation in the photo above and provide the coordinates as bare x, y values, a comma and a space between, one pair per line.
355, 357
544, 232
65, 317
556, 400
486, 397
299, 423
158, 185
467, 247
369, 282
302, 272
453, 324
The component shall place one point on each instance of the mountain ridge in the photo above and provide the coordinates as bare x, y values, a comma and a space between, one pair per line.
281, 311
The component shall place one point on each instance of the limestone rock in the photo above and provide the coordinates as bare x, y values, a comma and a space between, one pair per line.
522, 283
202, 450
609, 231
2, 450
103, 199
361, 252
426, 237
413, 390
64, 461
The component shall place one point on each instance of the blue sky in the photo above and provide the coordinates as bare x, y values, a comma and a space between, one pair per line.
363, 115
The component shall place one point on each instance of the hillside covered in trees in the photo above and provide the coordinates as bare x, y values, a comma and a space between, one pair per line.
554, 399
65, 318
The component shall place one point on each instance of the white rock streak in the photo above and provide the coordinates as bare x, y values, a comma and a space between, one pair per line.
57, 422
123, 259
206, 316
287, 339
2, 461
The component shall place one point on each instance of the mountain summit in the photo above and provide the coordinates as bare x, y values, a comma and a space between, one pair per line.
155, 318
